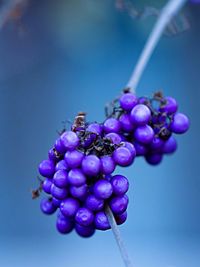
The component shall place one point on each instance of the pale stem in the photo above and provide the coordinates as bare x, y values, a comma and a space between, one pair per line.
118, 237
168, 12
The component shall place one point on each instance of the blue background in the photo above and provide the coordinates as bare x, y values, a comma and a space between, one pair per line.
78, 55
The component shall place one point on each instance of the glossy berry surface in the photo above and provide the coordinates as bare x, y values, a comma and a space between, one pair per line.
47, 168
140, 115
103, 189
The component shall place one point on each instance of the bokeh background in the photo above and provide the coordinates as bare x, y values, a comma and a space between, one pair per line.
61, 57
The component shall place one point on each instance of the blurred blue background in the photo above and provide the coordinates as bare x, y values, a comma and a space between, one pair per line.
70, 56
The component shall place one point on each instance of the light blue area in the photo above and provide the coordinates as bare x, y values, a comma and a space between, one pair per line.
78, 60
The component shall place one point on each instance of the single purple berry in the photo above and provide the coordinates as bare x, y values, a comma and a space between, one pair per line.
123, 157
62, 165
119, 204
59, 193
47, 168
74, 158
126, 123
102, 189
141, 149
76, 177
60, 178
128, 101
101, 221
69, 140
140, 115
84, 231
46, 185
79, 192
144, 134
84, 217
180, 123
112, 125
93, 203
95, 128
60, 148
64, 225
170, 106
120, 184
121, 218
107, 164
114, 137
156, 144
91, 165
47, 207
69, 207
154, 159
170, 146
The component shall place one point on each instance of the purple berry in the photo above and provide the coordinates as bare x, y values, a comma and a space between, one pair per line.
154, 159
130, 147
69, 140
170, 106
144, 134
64, 225
46, 186
74, 158
114, 137
60, 178
119, 204
47, 207
60, 148
101, 221
121, 218
140, 115
59, 193
141, 149
123, 157
170, 146
93, 203
120, 184
84, 231
69, 207
107, 164
76, 177
128, 101
126, 123
79, 192
112, 125
62, 165
156, 144
103, 189
84, 217
91, 165
180, 123
47, 168
95, 128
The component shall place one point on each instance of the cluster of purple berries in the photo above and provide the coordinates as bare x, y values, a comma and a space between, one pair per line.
79, 170
148, 124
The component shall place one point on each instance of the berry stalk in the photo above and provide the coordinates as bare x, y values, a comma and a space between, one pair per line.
168, 12
118, 237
